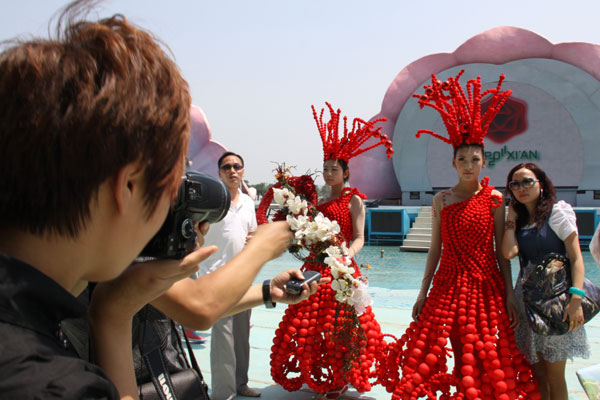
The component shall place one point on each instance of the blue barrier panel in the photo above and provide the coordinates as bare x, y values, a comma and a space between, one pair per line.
386, 225
587, 220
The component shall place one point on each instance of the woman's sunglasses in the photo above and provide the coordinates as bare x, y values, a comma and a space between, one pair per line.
525, 183
227, 167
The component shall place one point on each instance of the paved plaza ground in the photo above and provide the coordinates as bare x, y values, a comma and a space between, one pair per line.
393, 320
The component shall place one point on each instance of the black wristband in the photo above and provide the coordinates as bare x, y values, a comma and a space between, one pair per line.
266, 290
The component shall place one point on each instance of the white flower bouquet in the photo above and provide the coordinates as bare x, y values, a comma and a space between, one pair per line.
321, 238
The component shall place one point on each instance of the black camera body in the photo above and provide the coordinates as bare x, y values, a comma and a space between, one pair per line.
200, 198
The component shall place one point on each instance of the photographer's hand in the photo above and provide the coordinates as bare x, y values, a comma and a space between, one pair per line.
114, 304
279, 295
142, 282
249, 236
201, 231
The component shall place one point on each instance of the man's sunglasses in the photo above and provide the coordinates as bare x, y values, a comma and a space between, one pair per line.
525, 183
227, 167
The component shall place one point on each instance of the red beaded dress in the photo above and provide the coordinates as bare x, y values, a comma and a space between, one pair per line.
308, 347
466, 301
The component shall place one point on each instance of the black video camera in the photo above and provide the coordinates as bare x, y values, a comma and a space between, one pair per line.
200, 198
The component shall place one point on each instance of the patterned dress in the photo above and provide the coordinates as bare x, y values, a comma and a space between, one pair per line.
534, 244
466, 302
320, 342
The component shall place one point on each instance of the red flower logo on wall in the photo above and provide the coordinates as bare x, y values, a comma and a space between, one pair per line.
510, 121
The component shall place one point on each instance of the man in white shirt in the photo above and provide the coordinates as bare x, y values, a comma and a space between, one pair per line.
230, 346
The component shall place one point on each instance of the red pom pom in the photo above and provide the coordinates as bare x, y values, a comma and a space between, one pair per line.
468, 381
468, 358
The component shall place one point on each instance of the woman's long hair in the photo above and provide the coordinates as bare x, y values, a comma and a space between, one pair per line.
545, 202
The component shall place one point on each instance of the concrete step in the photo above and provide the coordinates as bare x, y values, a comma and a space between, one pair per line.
422, 224
418, 236
421, 230
414, 248
417, 242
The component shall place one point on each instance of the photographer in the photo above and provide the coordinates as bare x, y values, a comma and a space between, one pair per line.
94, 128
199, 303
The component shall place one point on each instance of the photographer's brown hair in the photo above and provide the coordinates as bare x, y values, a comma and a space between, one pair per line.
76, 109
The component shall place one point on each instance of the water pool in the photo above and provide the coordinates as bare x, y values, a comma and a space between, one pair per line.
397, 271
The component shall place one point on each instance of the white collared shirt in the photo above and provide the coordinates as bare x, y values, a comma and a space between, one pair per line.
230, 233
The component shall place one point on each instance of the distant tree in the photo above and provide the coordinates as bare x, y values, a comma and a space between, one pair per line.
322, 190
261, 189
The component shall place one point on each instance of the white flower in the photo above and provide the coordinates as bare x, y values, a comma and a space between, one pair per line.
341, 297
326, 229
280, 196
335, 272
339, 285
333, 251
360, 296
297, 205
310, 230
344, 249
347, 271
297, 224
332, 262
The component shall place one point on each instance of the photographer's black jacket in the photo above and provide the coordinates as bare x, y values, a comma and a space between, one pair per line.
35, 361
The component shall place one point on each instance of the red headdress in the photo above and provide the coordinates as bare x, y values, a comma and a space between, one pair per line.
348, 145
462, 114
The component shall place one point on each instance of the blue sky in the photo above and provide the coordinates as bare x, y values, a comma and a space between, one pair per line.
255, 67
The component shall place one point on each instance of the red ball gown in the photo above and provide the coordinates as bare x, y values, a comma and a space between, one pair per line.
466, 302
320, 342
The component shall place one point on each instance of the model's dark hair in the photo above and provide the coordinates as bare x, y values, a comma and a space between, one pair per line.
462, 146
545, 202
227, 154
76, 109
344, 165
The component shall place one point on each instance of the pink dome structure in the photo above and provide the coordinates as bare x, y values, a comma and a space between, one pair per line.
203, 152
496, 46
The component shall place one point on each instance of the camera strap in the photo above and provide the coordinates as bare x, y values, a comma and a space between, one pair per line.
156, 364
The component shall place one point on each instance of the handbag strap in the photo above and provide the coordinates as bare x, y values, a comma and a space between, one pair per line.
190, 350
179, 328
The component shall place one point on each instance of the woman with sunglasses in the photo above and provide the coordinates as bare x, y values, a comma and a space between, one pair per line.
537, 225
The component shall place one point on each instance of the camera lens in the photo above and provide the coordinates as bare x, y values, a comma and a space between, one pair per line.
187, 228
194, 192
207, 197
200, 198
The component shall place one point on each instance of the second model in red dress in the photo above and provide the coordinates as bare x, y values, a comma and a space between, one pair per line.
466, 302
319, 342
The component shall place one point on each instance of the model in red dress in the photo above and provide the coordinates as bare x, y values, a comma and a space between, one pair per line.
470, 311
466, 303
321, 342
308, 348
